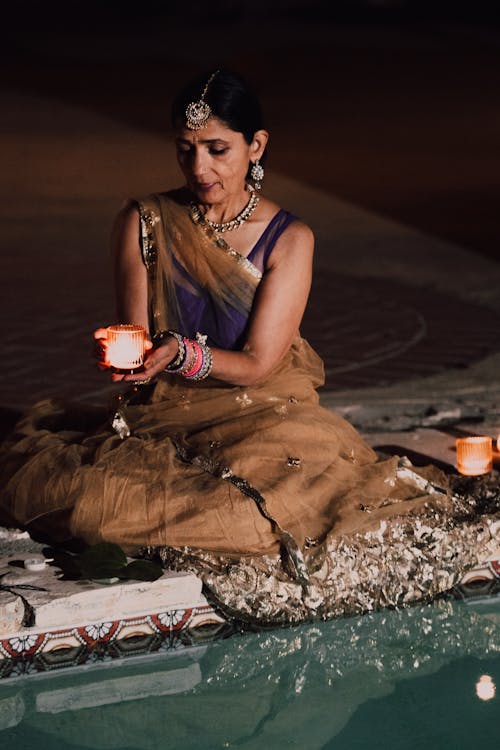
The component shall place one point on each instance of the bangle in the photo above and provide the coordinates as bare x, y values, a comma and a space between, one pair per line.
193, 359
203, 364
196, 366
178, 361
206, 367
190, 358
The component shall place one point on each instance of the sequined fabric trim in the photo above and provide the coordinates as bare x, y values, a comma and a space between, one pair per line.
148, 220
120, 426
199, 219
293, 559
406, 560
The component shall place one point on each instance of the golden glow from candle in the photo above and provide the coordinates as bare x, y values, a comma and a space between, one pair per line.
485, 688
125, 346
474, 455
498, 443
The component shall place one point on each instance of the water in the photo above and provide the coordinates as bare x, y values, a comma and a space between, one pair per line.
398, 680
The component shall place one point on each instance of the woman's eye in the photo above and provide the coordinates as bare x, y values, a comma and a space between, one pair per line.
218, 151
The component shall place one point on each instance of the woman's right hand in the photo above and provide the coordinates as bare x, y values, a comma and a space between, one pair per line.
101, 348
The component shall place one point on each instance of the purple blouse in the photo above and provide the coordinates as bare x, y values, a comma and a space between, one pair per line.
224, 327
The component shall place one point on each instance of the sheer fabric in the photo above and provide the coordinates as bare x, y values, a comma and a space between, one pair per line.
278, 504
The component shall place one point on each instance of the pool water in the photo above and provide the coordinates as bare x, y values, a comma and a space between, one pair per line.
398, 680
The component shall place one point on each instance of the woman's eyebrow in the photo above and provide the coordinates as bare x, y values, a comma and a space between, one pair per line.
206, 140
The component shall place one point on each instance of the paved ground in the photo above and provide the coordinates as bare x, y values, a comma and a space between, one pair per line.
401, 119
407, 323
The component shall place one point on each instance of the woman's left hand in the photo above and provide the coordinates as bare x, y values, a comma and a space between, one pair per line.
156, 359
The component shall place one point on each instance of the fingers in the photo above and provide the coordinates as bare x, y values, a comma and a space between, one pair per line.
100, 353
159, 358
144, 375
100, 336
100, 333
155, 362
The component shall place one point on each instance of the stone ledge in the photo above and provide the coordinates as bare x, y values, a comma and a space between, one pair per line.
32, 651
65, 604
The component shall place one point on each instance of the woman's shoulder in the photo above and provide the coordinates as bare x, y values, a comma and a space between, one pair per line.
287, 237
181, 196
293, 228
294, 225
132, 208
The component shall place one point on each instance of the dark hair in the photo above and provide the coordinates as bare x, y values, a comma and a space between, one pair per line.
229, 97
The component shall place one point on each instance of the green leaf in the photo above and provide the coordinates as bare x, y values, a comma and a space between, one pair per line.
66, 563
141, 570
103, 560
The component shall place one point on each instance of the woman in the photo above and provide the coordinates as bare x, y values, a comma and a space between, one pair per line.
220, 459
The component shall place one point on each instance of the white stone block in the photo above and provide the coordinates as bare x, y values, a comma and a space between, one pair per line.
60, 604
11, 613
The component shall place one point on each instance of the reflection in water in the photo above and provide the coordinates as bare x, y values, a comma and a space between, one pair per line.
296, 687
485, 688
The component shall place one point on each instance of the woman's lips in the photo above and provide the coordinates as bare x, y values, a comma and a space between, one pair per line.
204, 186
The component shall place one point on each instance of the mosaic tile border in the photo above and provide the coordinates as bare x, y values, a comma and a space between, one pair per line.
26, 653
170, 629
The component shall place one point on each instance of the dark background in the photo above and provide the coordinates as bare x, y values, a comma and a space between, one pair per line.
391, 105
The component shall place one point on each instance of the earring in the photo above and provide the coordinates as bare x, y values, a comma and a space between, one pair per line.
257, 174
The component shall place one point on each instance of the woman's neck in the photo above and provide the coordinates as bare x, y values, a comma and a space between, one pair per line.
226, 210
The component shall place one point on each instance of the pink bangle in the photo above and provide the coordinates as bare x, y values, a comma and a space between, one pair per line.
190, 357
198, 360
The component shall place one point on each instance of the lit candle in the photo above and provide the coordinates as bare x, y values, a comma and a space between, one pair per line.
125, 350
474, 455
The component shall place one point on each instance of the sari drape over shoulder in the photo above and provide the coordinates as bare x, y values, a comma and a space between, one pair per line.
278, 504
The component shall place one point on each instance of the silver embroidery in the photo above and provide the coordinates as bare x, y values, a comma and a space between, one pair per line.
244, 400
282, 410
148, 220
405, 560
120, 426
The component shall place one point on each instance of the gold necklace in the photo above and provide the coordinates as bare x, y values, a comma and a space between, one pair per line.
228, 226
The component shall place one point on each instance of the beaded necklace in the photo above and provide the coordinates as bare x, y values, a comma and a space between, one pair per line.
228, 226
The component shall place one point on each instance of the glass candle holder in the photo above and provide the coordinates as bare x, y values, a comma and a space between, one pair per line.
474, 455
125, 350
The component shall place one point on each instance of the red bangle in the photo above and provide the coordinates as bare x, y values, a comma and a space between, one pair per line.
197, 362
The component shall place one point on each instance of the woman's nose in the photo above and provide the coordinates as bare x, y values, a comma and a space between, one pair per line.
200, 163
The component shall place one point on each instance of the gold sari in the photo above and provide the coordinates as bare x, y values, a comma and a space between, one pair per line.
278, 504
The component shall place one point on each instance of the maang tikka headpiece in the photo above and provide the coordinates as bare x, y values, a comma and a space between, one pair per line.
198, 113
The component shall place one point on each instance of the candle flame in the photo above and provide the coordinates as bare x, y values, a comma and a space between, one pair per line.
125, 346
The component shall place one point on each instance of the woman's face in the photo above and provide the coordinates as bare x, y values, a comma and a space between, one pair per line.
215, 159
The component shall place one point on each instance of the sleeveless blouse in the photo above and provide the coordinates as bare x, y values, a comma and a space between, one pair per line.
224, 326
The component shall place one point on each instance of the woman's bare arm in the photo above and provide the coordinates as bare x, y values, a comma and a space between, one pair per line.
130, 275
277, 312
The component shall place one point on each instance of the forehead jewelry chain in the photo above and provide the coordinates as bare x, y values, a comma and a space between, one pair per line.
228, 226
198, 113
